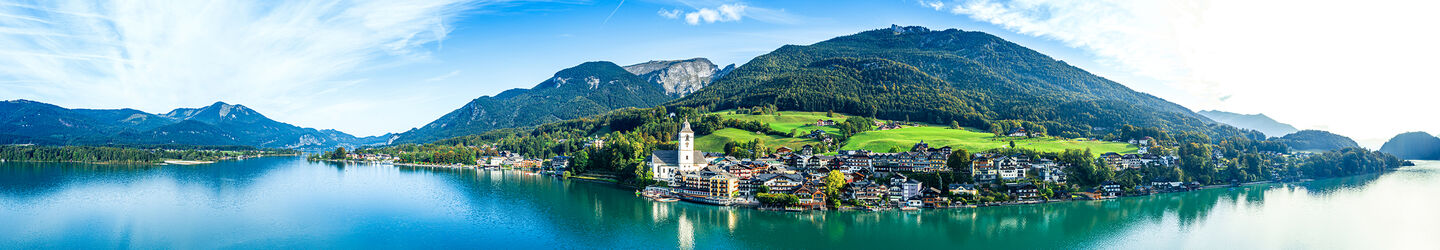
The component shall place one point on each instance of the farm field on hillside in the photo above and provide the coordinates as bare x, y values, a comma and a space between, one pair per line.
715, 142
788, 120
970, 140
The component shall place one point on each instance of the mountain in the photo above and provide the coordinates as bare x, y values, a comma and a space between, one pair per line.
1413, 146
917, 74
1257, 122
1316, 140
679, 77
26, 121
587, 89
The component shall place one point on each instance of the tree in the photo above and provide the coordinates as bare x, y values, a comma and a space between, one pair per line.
833, 183
959, 164
1195, 162
580, 162
1012, 144
338, 154
954, 124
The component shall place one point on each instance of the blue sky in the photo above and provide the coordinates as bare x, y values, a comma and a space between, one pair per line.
372, 67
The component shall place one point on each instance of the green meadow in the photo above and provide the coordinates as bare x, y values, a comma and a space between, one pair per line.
972, 140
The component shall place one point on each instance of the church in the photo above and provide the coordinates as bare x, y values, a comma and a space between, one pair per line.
665, 165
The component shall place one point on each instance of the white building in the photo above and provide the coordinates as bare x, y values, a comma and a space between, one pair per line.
665, 165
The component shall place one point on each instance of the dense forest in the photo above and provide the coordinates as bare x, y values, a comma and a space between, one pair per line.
1413, 145
129, 154
971, 79
588, 89
1316, 140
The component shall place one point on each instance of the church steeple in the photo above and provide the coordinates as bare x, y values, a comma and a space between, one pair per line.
686, 147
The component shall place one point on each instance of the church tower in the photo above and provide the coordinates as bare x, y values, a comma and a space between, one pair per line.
686, 158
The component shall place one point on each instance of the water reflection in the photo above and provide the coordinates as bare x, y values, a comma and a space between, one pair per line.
262, 201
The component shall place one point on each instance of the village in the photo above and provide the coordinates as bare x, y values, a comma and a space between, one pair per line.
804, 179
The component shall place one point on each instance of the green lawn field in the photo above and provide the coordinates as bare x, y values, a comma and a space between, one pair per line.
881, 141
715, 142
971, 140
788, 120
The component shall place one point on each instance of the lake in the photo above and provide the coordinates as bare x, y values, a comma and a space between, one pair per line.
287, 202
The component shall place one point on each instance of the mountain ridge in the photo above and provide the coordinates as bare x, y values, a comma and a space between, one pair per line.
587, 89
1258, 122
1317, 140
988, 81
28, 121
1413, 146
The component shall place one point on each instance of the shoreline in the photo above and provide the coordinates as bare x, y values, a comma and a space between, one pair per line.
163, 162
617, 184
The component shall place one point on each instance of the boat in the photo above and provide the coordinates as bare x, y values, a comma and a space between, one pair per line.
909, 209
665, 199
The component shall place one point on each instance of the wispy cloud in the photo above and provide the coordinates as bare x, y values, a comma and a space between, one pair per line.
612, 12
669, 13
937, 5
727, 12
157, 55
444, 77
1240, 55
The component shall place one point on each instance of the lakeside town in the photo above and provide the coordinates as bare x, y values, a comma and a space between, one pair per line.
924, 177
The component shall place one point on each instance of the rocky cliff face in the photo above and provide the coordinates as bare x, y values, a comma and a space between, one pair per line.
679, 77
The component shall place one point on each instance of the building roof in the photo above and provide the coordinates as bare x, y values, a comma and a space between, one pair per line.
686, 127
672, 157
713, 170
767, 177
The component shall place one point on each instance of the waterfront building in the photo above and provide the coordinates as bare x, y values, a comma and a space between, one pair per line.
665, 165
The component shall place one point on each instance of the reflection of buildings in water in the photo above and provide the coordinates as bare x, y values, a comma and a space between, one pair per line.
732, 219
659, 211
686, 233
599, 209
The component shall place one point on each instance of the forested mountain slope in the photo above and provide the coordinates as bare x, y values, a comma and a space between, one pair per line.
973, 78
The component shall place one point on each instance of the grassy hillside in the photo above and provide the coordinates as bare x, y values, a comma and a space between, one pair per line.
881, 141
970, 140
715, 142
787, 120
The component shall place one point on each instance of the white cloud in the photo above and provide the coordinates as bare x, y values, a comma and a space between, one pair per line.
1316, 64
707, 12
158, 55
669, 14
724, 13
937, 5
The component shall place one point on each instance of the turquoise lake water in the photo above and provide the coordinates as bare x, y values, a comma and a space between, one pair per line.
291, 203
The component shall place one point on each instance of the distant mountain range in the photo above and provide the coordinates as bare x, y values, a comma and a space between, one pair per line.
1257, 122
900, 73
24, 121
1413, 146
588, 89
